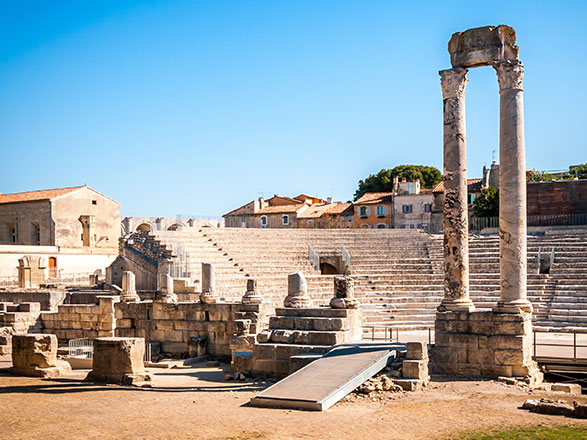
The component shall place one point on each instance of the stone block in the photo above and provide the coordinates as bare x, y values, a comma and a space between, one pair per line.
300, 361
301, 337
282, 322
119, 360
264, 336
282, 336
509, 357
570, 388
284, 352
580, 410
329, 324
415, 369
409, 384
324, 338
265, 365
555, 408
264, 351
36, 355
483, 46
416, 351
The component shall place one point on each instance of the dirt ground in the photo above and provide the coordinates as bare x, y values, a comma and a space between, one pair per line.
197, 402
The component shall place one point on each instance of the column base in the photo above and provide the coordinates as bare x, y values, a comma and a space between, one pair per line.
516, 306
456, 305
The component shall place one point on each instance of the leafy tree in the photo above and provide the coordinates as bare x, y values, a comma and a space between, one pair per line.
579, 171
487, 204
383, 180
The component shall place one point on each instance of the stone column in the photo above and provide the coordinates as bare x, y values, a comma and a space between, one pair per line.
512, 189
297, 292
166, 293
456, 245
208, 295
129, 293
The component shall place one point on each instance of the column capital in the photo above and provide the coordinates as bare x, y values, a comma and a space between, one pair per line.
453, 82
510, 74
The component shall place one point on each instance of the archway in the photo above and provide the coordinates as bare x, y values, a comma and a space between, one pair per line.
144, 227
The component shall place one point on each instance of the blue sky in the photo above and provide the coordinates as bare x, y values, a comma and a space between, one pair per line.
197, 107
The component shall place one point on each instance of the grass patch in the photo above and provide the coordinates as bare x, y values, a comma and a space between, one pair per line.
561, 432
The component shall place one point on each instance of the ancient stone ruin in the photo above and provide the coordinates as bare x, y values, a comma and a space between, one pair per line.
119, 360
36, 355
497, 342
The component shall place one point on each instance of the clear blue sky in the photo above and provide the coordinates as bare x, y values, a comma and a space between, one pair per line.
197, 107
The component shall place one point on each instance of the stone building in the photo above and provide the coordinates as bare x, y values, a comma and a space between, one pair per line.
276, 212
374, 211
412, 211
75, 229
67, 217
327, 215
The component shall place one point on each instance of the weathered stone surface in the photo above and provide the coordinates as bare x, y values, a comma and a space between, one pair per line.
344, 294
570, 388
580, 410
297, 289
129, 293
410, 384
282, 336
119, 360
554, 408
412, 369
208, 295
417, 351
483, 46
252, 295
36, 355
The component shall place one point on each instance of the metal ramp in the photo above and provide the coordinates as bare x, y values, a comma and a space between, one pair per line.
321, 384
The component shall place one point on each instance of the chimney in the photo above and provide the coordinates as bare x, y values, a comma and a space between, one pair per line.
404, 180
328, 200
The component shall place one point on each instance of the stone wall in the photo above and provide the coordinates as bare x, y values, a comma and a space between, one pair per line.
49, 299
179, 327
81, 321
26, 218
557, 198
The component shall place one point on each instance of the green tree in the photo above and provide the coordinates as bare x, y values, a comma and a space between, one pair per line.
487, 204
383, 180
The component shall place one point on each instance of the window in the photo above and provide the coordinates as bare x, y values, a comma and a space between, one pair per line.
381, 211
35, 234
381, 226
428, 207
363, 211
12, 234
94, 202
410, 188
472, 198
285, 220
263, 221
407, 209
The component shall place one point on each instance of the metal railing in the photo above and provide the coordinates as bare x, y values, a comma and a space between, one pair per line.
479, 223
314, 257
575, 358
346, 258
390, 333
81, 348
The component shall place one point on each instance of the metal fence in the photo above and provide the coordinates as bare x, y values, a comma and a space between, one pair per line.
479, 223
83, 348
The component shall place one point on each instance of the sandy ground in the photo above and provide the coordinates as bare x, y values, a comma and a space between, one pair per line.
197, 402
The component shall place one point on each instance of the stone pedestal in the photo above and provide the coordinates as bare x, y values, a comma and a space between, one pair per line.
484, 344
297, 291
209, 295
36, 355
129, 293
252, 296
344, 294
119, 360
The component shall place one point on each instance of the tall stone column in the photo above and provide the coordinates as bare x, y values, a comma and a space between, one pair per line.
456, 245
512, 189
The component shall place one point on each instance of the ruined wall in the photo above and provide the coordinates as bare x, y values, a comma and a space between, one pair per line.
48, 299
68, 228
176, 325
81, 321
25, 217
557, 198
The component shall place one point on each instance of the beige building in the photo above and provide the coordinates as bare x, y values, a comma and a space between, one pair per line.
75, 229
413, 211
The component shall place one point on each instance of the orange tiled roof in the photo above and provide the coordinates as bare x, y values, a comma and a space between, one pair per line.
30, 196
374, 198
280, 209
472, 185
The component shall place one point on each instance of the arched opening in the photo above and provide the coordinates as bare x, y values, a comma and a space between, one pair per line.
144, 227
173, 227
328, 269
52, 267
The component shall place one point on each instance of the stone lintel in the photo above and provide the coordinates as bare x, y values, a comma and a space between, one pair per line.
483, 46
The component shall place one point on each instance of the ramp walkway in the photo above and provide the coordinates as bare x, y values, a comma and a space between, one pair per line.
321, 384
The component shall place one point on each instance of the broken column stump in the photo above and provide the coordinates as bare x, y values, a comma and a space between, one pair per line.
119, 360
36, 355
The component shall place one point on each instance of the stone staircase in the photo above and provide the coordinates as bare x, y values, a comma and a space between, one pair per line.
398, 273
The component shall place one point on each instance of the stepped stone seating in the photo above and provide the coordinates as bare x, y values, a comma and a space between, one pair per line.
398, 274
